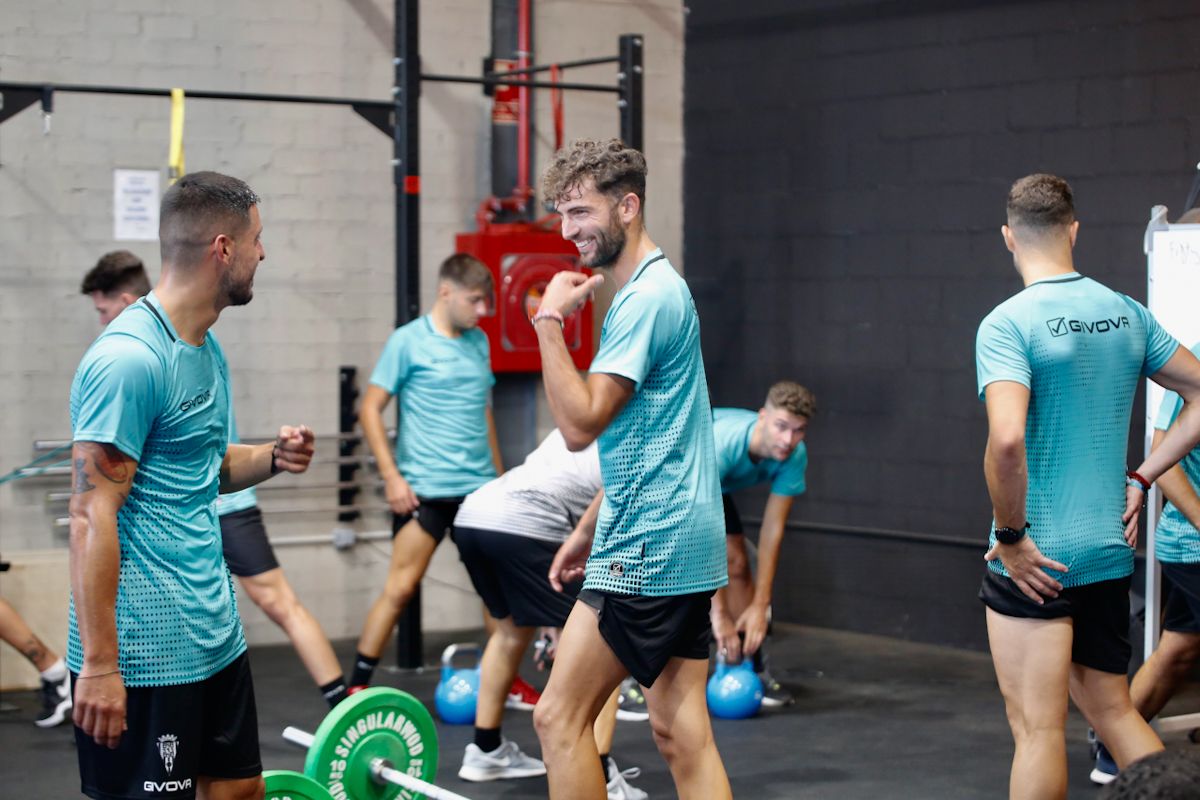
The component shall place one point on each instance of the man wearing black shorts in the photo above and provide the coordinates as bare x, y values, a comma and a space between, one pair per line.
116, 282
164, 701
446, 444
1059, 364
658, 551
508, 532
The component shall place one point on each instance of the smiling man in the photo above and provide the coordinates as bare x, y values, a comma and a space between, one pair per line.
164, 701
657, 553
752, 449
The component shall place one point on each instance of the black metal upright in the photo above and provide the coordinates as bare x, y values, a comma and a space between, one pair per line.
629, 80
406, 174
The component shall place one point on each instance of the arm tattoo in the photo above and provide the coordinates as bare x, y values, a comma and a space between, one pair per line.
105, 461
81, 483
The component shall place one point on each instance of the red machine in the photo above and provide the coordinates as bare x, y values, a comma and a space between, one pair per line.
523, 257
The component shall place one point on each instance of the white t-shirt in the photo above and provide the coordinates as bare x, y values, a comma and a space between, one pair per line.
542, 499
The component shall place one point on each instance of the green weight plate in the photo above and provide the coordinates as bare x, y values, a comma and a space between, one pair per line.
375, 723
283, 784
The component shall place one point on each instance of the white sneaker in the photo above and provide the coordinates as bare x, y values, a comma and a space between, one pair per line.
506, 761
618, 789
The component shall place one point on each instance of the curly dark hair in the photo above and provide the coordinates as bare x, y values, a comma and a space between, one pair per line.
118, 271
615, 170
793, 398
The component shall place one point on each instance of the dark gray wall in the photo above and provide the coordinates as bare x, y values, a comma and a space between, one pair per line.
845, 177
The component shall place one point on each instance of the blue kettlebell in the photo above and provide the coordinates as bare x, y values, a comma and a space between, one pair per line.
734, 691
458, 690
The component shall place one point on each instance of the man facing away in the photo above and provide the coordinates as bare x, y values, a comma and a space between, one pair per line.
1059, 364
164, 700
658, 552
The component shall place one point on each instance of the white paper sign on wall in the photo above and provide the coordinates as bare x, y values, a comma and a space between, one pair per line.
135, 205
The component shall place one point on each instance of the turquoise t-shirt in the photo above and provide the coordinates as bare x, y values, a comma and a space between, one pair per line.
661, 529
165, 404
1081, 348
443, 384
1176, 540
246, 498
732, 428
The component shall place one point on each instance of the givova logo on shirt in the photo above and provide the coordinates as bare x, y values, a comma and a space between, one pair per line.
1061, 326
196, 401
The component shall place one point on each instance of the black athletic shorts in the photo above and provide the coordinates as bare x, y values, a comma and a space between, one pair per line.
1099, 611
1181, 609
244, 542
176, 734
646, 632
435, 515
733, 522
509, 573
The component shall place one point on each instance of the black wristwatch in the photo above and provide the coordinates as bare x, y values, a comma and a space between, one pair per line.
1011, 535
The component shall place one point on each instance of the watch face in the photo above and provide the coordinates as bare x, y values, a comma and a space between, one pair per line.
1008, 535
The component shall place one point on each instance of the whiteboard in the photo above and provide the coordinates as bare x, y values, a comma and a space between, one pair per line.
1173, 297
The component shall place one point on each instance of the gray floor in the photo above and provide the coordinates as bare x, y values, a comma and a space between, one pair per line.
875, 718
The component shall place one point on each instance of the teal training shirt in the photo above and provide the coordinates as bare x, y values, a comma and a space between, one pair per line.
732, 428
1176, 540
443, 385
1080, 348
661, 529
165, 404
246, 498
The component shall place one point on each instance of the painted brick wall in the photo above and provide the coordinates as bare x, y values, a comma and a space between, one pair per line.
846, 170
323, 297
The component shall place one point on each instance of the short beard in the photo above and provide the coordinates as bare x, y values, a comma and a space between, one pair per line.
237, 294
610, 244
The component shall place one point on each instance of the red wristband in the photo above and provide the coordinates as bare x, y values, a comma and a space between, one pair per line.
1133, 474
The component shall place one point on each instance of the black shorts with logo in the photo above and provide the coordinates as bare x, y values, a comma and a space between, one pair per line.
645, 633
244, 542
1181, 609
435, 515
176, 734
1098, 611
509, 573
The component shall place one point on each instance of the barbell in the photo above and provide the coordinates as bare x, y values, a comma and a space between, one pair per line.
377, 744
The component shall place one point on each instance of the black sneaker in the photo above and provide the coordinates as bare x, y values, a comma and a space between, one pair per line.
56, 703
774, 695
631, 703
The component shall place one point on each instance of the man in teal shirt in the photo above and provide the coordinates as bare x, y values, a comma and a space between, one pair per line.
1059, 364
154, 632
753, 448
1177, 548
657, 554
446, 444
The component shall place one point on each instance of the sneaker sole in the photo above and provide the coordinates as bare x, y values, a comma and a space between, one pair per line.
1100, 777
481, 775
771, 702
517, 705
632, 716
58, 717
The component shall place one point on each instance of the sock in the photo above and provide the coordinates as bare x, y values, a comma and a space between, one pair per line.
760, 658
604, 761
56, 671
487, 739
334, 692
364, 668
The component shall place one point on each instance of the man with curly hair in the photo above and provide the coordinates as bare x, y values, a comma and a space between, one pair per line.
657, 553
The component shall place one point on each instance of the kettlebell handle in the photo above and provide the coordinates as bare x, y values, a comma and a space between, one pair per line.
460, 647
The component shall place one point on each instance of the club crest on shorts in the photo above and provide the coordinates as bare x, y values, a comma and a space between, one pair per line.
616, 569
168, 747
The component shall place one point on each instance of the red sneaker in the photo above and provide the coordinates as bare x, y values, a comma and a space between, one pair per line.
354, 689
522, 696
